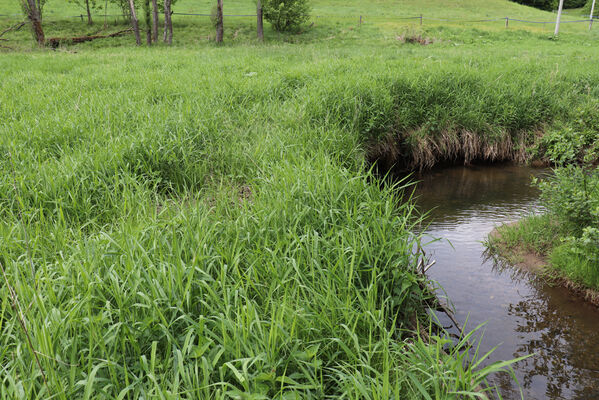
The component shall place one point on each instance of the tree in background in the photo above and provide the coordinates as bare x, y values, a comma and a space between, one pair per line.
259, 20
168, 22
154, 20
286, 15
548, 5
88, 5
33, 11
587, 9
575, 3
134, 22
217, 20
148, 21
125, 7
551, 5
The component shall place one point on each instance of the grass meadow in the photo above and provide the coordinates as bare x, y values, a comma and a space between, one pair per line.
205, 222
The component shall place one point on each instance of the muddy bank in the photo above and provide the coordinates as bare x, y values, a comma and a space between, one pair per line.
523, 258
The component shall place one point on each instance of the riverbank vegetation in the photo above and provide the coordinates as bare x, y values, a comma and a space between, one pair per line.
203, 221
567, 234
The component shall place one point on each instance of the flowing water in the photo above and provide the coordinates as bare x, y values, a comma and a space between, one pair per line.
523, 314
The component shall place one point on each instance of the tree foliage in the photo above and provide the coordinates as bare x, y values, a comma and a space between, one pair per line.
574, 3
548, 5
139, 5
286, 15
587, 8
551, 5
93, 4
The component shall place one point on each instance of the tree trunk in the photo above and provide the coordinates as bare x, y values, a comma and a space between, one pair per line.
105, 13
89, 14
260, 20
154, 20
135, 23
168, 22
219, 21
35, 17
148, 20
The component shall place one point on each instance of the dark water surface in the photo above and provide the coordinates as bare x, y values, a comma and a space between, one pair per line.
523, 314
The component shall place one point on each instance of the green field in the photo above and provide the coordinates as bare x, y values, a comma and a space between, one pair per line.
333, 20
205, 222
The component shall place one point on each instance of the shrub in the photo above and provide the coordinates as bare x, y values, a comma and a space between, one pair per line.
574, 3
587, 246
578, 258
548, 5
572, 195
286, 15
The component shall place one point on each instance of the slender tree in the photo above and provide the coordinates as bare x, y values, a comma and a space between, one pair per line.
105, 13
89, 13
168, 22
135, 23
154, 20
148, 21
219, 21
32, 10
260, 20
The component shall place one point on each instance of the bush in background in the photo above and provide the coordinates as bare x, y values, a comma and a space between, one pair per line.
286, 15
572, 199
572, 195
587, 8
548, 5
575, 3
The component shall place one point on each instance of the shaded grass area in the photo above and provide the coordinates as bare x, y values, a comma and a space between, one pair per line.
204, 224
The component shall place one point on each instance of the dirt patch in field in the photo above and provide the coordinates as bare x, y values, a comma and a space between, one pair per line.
529, 261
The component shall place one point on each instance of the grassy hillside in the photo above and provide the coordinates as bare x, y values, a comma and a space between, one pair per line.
203, 221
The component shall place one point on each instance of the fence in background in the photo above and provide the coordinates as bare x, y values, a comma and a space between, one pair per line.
360, 19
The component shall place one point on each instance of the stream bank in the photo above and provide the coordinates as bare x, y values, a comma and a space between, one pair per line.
522, 257
522, 313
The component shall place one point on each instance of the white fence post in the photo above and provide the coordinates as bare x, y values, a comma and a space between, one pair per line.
559, 16
591, 17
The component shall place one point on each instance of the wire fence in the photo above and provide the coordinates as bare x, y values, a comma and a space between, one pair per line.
361, 18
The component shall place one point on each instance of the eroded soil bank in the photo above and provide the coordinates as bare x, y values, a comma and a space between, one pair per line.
522, 312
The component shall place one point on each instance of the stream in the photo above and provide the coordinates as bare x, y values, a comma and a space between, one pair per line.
523, 314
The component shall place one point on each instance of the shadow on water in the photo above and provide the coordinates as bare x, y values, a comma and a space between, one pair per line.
523, 314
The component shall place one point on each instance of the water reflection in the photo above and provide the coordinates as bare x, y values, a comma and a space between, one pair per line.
523, 313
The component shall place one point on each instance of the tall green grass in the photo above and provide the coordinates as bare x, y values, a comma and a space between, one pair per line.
204, 224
